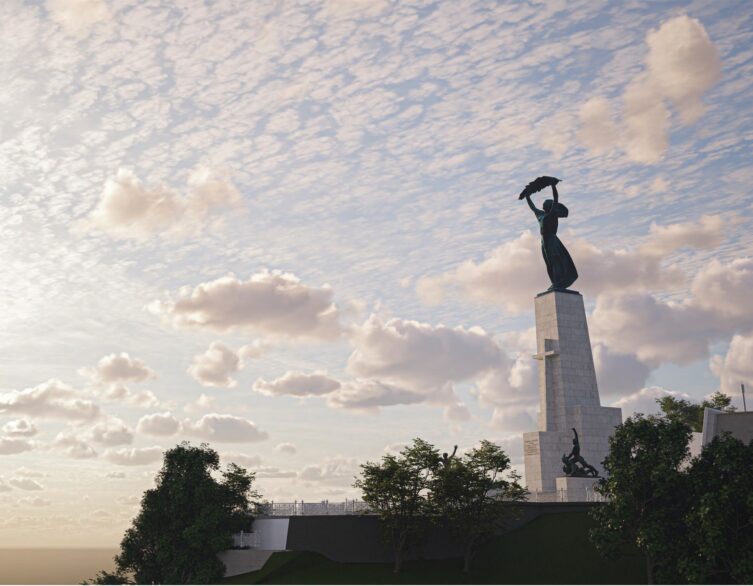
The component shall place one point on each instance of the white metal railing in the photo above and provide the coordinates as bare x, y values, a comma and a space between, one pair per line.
245, 539
562, 496
287, 509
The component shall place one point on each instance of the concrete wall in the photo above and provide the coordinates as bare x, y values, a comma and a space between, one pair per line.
740, 425
272, 532
360, 538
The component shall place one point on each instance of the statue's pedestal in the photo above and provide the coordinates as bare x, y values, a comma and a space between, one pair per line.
568, 393
575, 489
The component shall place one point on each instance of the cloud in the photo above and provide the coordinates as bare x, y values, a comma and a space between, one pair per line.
214, 367
4, 487
78, 16
274, 472
33, 501
52, 399
369, 395
73, 446
129, 210
20, 428
118, 392
119, 368
725, 289
298, 384
597, 128
133, 456
25, 484
27, 473
683, 63
224, 428
645, 123
203, 403
14, 445
705, 234
419, 356
275, 303
241, 459
644, 401
655, 331
512, 273
286, 448
158, 424
337, 471
112, 432
618, 374
115, 475
736, 366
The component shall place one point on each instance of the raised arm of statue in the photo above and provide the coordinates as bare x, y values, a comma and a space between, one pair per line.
534, 209
555, 194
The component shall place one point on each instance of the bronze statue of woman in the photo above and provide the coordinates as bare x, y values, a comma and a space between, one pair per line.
559, 264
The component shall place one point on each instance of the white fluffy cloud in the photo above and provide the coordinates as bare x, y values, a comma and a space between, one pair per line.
298, 384
286, 448
158, 424
618, 374
20, 428
655, 331
129, 210
275, 303
14, 445
73, 446
369, 395
112, 432
78, 16
644, 401
133, 456
512, 273
419, 356
115, 368
681, 64
241, 459
736, 366
724, 288
33, 501
224, 428
52, 399
118, 392
25, 484
214, 367
597, 128
338, 471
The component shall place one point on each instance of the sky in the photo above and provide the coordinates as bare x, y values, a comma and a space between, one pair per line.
291, 230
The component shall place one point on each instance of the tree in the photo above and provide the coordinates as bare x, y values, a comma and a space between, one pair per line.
187, 519
692, 413
473, 496
719, 518
646, 493
396, 489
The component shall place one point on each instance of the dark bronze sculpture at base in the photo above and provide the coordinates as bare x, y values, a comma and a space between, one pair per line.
559, 265
575, 465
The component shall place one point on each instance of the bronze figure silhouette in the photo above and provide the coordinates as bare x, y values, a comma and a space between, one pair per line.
575, 465
559, 264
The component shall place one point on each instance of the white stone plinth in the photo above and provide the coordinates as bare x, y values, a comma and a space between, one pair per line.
574, 489
568, 393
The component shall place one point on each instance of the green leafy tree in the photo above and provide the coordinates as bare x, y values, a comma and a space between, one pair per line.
692, 413
187, 519
719, 518
396, 489
476, 494
646, 493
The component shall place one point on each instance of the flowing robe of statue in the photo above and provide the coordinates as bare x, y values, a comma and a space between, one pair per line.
559, 263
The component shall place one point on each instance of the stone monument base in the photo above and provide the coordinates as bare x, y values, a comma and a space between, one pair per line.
575, 488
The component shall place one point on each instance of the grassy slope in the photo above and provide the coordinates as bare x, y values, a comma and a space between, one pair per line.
553, 549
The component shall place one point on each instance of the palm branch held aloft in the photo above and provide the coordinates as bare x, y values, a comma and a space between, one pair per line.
559, 264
